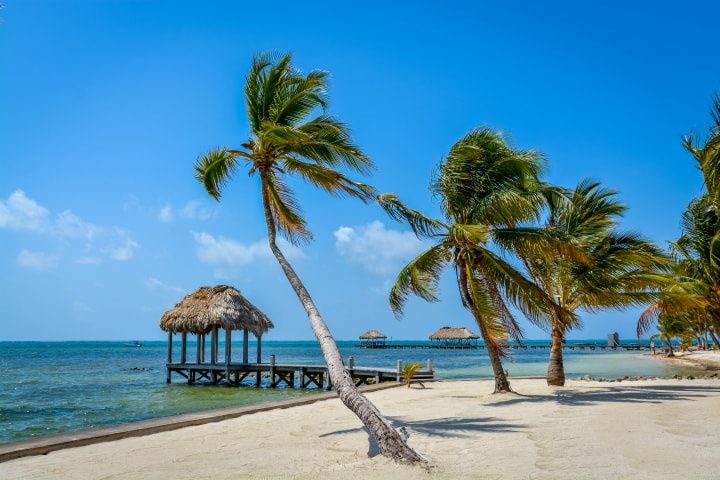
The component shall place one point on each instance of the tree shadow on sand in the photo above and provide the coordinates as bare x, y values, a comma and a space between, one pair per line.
449, 427
614, 394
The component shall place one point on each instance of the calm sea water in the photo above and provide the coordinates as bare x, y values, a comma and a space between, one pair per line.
56, 387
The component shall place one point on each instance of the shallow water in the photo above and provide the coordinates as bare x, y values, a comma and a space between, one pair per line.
51, 387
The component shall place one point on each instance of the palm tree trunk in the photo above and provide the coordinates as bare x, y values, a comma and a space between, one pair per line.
502, 385
714, 338
387, 438
669, 342
556, 369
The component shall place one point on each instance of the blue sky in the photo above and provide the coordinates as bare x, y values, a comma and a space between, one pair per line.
104, 107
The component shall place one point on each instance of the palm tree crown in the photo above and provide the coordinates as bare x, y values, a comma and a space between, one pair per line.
289, 134
486, 190
609, 269
615, 269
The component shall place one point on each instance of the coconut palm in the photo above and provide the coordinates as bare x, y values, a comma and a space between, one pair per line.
674, 326
618, 269
707, 154
486, 189
288, 137
680, 308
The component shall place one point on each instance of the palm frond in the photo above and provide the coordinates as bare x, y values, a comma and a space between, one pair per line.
214, 170
329, 180
419, 277
286, 211
422, 225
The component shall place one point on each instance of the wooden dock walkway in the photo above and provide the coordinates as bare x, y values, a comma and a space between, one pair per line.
288, 375
479, 346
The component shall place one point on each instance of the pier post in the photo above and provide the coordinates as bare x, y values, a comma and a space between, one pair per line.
430, 365
169, 357
258, 377
245, 345
183, 351
272, 371
399, 370
228, 346
199, 349
214, 346
202, 349
228, 353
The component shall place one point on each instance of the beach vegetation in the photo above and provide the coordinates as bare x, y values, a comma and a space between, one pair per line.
409, 370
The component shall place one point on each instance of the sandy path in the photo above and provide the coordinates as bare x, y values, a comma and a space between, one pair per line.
587, 430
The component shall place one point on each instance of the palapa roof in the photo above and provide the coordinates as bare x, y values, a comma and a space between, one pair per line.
453, 333
222, 306
372, 335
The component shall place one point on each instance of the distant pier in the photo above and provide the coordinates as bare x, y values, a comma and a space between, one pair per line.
479, 346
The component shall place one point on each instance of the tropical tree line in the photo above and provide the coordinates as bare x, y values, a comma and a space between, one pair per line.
688, 308
513, 241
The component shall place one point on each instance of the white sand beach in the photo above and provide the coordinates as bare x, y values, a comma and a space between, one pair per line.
709, 359
586, 430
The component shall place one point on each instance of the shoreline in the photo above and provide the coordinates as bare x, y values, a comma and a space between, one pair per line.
708, 360
459, 425
49, 443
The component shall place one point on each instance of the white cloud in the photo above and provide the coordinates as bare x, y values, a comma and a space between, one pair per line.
196, 210
21, 213
89, 260
377, 249
155, 285
123, 251
67, 224
36, 260
166, 214
225, 251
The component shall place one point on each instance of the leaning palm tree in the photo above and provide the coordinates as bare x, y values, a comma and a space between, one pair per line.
486, 190
287, 138
616, 270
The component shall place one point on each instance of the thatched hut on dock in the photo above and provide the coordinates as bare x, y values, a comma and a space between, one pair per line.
454, 337
372, 339
208, 310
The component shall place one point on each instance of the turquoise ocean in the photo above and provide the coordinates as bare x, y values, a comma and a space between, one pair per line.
52, 387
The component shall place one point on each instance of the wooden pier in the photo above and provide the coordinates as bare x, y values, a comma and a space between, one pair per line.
479, 346
287, 375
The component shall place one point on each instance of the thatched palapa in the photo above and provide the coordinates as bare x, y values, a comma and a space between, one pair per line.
221, 306
454, 337
372, 335
454, 333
